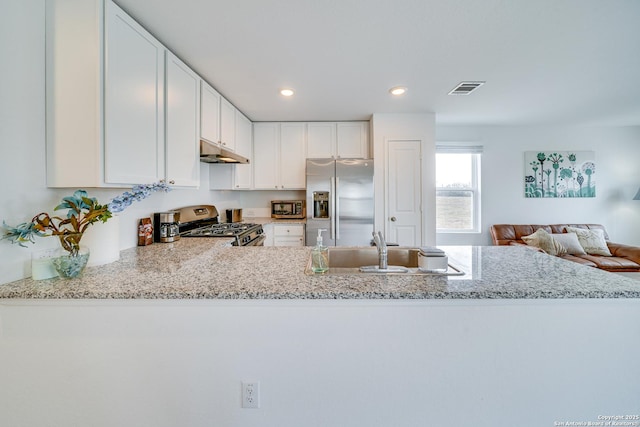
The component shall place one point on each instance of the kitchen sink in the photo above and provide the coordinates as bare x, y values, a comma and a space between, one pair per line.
364, 260
358, 257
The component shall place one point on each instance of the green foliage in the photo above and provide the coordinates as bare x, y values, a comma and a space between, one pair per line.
82, 211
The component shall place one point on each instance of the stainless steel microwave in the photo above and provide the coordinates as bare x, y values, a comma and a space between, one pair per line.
291, 209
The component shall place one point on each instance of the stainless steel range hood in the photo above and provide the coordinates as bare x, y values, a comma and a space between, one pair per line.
211, 153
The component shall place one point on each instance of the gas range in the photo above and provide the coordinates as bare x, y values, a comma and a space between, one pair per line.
202, 221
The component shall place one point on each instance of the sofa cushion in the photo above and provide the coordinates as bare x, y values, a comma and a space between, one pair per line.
570, 243
504, 234
611, 263
543, 240
592, 241
579, 260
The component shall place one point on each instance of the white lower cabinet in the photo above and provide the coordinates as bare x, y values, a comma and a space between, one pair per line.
288, 234
268, 234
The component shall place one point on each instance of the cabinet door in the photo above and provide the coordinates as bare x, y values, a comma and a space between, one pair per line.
292, 155
352, 140
288, 235
209, 113
268, 233
321, 140
243, 147
133, 102
227, 124
265, 154
182, 124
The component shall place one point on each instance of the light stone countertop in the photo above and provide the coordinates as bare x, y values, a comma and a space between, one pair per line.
269, 220
210, 269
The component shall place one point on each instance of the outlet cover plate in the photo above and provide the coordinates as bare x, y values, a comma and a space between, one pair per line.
251, 394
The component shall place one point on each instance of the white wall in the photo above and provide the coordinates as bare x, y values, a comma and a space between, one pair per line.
481, 363
617, 151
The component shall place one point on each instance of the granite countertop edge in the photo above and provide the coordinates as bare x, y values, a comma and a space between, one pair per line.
211, 269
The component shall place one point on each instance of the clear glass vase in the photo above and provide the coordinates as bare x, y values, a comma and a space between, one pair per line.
72, 258
70, 265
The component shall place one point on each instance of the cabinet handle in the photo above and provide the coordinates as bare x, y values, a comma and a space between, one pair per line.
172, 182
393, 219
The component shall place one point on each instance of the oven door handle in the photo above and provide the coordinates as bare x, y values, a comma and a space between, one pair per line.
258, 241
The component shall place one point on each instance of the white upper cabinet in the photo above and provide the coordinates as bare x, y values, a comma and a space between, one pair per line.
266, 139
321, 140
340, 140
227, 124
352, 140
102, 135
182, 124
293, 164
236, 176
133, 94
209, 113
279, 153
244, 144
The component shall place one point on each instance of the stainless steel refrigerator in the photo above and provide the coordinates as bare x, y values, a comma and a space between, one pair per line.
340, 200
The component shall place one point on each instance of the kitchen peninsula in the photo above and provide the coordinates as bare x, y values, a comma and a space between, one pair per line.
165, 336
202, 269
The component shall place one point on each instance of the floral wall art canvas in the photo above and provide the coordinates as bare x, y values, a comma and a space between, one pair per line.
559, 174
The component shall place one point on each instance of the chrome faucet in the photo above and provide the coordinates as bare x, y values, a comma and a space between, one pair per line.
378, 239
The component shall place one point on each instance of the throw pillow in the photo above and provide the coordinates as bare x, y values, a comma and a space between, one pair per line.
570, 243
592, 241
543, 240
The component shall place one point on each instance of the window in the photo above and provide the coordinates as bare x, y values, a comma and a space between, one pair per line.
458, 189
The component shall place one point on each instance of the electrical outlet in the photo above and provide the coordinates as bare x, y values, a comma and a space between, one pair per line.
251, 394
250, 213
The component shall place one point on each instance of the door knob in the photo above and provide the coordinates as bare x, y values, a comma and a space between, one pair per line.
393, 219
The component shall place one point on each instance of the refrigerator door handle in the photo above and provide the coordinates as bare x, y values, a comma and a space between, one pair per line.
332, 210
336, 192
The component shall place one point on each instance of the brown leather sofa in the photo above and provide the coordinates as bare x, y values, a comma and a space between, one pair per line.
624, 257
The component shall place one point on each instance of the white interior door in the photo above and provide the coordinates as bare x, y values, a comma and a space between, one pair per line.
403, 224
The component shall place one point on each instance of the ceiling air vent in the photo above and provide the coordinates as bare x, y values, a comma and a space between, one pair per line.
465, 88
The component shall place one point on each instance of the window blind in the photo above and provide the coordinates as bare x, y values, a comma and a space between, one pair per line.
458, 149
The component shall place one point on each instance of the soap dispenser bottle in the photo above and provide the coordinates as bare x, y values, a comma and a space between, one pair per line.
320, 255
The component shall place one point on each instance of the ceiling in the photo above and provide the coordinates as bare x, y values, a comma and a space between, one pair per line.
544, 61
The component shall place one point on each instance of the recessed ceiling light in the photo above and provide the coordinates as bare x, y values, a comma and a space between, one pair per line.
286, 92
398, 90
